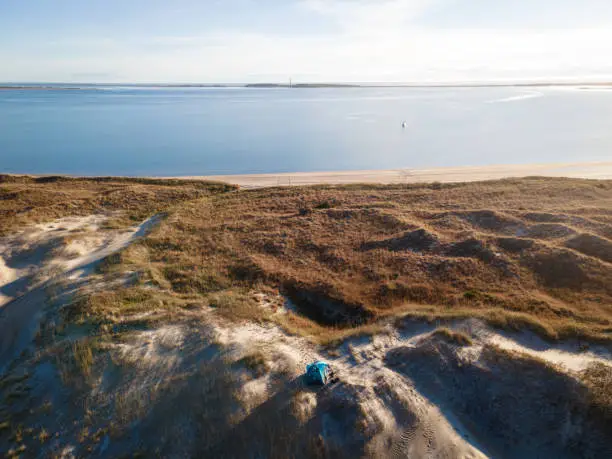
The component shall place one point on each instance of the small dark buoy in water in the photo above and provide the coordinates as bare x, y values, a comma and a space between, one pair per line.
404, 124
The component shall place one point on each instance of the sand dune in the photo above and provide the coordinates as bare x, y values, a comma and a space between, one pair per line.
158, 354
44, 258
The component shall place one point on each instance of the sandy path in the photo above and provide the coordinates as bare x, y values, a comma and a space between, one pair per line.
20, 318
116, 244
574, 361
593, 170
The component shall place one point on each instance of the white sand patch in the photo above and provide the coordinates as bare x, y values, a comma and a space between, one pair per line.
90, 223
65, 245
84, 245
7, 276
568, 360
34, 260
568, 356
469, 354
113, 245
287, 353
255, 392
35, 254
152, 348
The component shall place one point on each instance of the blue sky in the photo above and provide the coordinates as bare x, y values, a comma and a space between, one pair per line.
309, 40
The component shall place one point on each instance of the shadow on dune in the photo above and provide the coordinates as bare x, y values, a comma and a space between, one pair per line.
201, 417
516, 407
273, 430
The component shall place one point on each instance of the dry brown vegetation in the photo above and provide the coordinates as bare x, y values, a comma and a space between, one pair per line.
517, 253
453, 337
530, 253
598, 380
25, 200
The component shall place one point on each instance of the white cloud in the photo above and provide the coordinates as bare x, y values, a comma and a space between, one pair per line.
375, 41
417, 55
365, 17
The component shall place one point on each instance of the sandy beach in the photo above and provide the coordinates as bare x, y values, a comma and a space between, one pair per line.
591, 170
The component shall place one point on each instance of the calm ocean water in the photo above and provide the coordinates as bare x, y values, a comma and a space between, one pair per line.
200, 131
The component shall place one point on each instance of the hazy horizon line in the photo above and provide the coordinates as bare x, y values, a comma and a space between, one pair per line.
288, 82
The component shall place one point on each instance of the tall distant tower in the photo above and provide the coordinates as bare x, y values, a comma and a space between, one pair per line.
290, 83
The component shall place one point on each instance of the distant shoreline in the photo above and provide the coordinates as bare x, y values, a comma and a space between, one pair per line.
47, 88
599, 170
96, 86
587, 170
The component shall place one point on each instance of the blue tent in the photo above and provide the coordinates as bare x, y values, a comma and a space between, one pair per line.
318, 373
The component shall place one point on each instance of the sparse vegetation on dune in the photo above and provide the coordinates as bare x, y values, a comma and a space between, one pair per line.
453, 337
191, 340
25, 199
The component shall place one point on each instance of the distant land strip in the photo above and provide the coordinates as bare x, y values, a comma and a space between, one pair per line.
48, 88
95, 86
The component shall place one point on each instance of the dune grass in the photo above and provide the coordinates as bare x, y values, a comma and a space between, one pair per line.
26, 200
598, 379
514, 252
355, 256
452, 336
332, 263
